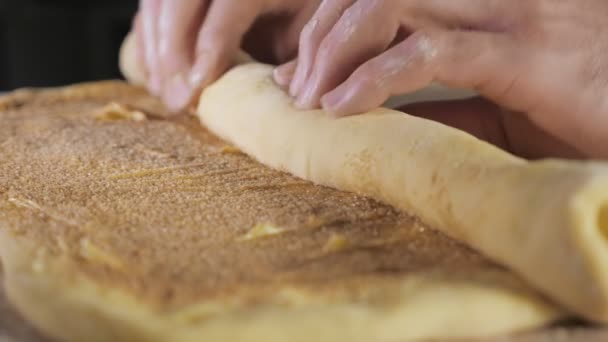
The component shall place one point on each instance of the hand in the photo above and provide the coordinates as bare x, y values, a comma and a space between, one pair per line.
545, 58
187, 44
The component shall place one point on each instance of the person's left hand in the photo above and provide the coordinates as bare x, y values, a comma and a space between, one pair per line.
184, 45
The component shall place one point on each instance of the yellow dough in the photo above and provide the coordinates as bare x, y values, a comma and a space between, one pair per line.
547, 220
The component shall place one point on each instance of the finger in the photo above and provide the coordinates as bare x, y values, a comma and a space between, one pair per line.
140, 47
485, 62
178, 24
149, 11
220, 38
286, 43
321, 23
483, 15
284, 74
362, 32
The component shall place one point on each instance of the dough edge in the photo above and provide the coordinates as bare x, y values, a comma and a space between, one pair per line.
76, 309
116, 312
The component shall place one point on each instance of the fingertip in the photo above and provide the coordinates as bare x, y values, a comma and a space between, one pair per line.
294, 87
334, 113
178, 94
293, 90
208, 67
332, 99
200, 72
349, 99
306, 100
298, 80
155, 84
284, 74
308, 96
280, 78
334, 103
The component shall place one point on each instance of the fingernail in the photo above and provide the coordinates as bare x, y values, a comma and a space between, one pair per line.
332, 100
308, 97
155, 84
283, 74
294, 88
305, 100
200, 71
197, 75
297, 82
178, 93
338, 101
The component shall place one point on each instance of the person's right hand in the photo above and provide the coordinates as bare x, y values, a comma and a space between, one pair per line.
545, 59
186, 44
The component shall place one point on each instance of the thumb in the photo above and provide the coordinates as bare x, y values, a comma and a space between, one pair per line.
460, 59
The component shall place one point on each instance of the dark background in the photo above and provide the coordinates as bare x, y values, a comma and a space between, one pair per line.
54, 42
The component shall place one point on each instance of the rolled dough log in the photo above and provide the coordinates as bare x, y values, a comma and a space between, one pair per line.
547, 220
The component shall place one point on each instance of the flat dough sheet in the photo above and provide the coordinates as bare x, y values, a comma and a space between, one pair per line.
119, 224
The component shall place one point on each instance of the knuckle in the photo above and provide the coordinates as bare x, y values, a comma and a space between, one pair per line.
345, 29
383, 73
367, 77
369, 72
310, 31
351, 13
594, 70
327, 48
332, 9
427, 45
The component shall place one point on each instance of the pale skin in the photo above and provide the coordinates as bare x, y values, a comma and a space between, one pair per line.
187, 44
541, 66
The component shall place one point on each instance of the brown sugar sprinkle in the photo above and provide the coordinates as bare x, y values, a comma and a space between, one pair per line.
153, 209
116, 112
231, 150
336, 243
262, 230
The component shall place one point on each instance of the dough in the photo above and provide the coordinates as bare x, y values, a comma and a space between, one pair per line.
546, 220
130, 226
